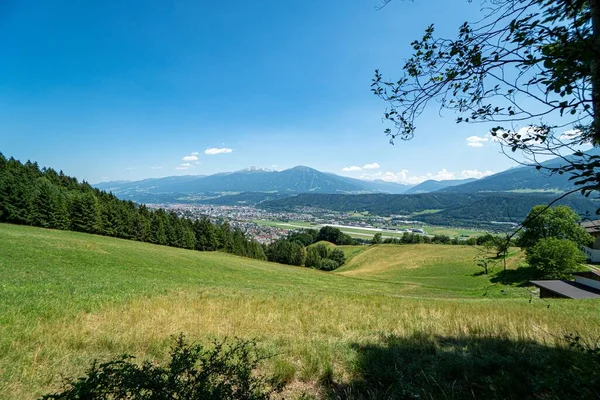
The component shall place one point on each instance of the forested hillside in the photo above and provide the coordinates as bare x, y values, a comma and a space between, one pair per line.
433, 185
30, 195
466, 209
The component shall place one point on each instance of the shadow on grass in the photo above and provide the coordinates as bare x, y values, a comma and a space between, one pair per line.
426, 367
518, 277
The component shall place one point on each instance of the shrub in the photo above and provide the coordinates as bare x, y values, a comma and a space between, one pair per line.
338, 256
312, 257
328, 265
228, 371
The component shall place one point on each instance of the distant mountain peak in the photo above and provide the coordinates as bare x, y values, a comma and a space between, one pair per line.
302, 168
299, 179
255, 169
431, 185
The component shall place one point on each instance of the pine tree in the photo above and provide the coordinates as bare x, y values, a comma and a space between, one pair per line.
206, 235
225, 237
158, 233
44, 204
85, 215
141, 224
60, 218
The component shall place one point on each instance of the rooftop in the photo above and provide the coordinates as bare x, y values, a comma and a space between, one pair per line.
591, 274
572, 290
591, 226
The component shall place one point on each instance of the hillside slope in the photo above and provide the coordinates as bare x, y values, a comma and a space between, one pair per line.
69, 298
433, 185
425, 266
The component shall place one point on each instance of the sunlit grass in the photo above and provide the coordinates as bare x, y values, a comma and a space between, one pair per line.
67, 298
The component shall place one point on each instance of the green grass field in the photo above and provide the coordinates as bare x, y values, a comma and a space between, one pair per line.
68, 298
367, 234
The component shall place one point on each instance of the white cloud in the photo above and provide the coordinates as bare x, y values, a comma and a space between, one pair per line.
190, 158
195, 153
477, 141
357, 168
184, 166
524, 132
131, 168
197, 163
156, 167
570, 134
474, 173
371, 166
405, 177
443, 175
212, 151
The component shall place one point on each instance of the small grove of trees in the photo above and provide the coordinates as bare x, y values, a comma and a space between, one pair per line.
323, 257
377, 238
303, 249
335, 236
552, 239
30, 195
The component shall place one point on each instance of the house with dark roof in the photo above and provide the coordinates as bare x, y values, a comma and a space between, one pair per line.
585, 286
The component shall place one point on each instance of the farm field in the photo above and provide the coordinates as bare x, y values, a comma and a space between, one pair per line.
366, 233
68, 298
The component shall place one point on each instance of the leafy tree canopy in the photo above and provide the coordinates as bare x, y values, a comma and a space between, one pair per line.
555, 258
559, 222
529, 70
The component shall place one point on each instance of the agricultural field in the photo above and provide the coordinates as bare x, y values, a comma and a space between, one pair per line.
367, 233
68, 298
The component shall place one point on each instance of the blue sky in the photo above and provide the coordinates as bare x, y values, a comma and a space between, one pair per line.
111, 90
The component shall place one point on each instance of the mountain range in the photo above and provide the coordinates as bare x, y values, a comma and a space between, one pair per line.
253, 186
433, 185
526, 178
291, 181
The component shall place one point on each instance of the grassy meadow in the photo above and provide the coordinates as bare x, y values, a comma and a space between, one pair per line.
360, 233
68, 298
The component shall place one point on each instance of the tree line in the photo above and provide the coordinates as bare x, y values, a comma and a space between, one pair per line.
417, 238
30, 195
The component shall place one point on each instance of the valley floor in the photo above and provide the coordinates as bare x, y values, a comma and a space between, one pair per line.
68, 298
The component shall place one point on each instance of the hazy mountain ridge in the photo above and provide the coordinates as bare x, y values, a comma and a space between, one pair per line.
525, 178
251, 186
433, 185
295, 180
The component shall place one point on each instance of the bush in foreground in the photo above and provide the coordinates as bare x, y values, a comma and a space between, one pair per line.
227, 371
